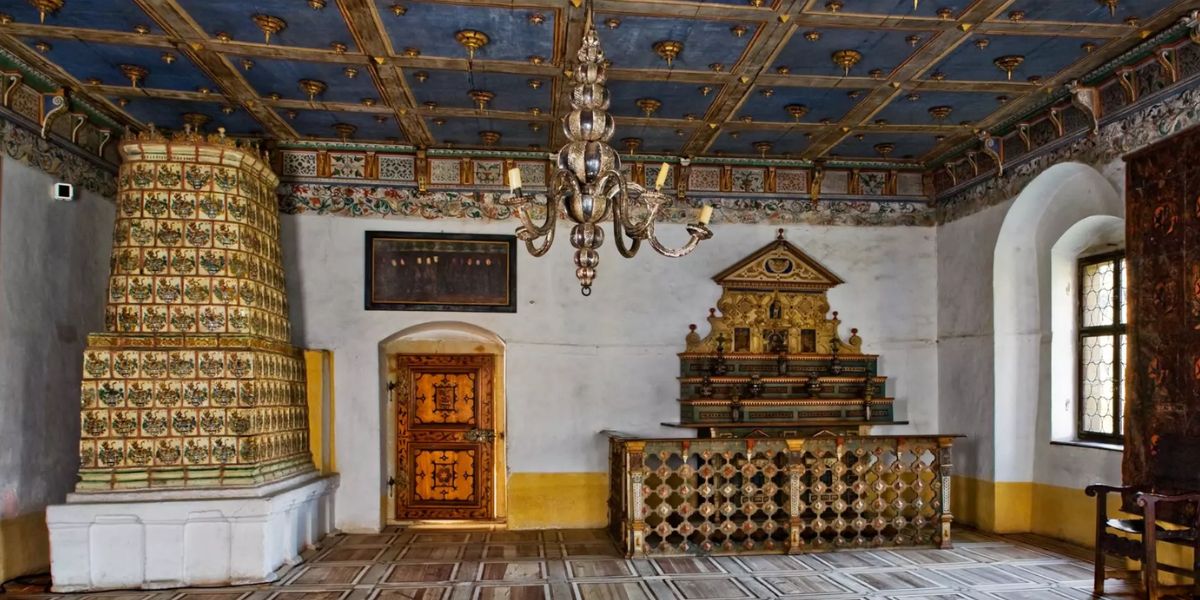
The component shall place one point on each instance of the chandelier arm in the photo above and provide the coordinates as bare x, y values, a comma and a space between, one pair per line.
619, 208
527, 223
547, 241
699, 232
640, 195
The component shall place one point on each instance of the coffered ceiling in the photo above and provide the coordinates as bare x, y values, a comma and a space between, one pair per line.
777, 78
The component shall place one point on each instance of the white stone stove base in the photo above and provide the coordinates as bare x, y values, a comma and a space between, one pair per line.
158, 539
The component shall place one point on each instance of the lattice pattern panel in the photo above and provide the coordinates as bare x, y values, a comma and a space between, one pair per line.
861, 494
709, 499
194, 383
794, 495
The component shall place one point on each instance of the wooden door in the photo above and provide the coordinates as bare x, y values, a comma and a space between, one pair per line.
445, 443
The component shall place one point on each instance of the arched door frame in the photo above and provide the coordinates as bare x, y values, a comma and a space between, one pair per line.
443, 337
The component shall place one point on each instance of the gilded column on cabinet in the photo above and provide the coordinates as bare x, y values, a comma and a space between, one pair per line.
194, 382
945, 466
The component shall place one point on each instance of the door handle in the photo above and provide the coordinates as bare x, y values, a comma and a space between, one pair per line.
481, 435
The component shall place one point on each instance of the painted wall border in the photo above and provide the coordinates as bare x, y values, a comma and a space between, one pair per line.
405, 202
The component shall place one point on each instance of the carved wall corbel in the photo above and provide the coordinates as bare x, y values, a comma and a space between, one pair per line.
422, 171
105, 137
1169, 60
1023, 133
1127, 77
78, 119
681, 177
1056, 120
1087, 99
992, 148
1193, 24
11, 81
814, 186
53, 106
949, 167
466, 171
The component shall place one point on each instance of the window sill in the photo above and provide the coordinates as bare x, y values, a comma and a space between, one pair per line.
1089, 444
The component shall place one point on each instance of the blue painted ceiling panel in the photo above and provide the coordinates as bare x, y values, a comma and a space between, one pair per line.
450, 89
319, 123
1058, 10
822, 103
926, 8
655, 140
306, 27
112, 15
678, 99
431, 28
908, 145
84, 60
966, 106
631, 45
460, 132
1044, 57
883, 49
283, 77
790, 141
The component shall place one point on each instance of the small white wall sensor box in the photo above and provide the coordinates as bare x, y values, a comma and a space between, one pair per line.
64, 192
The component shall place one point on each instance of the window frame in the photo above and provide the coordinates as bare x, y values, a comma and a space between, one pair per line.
1117, 330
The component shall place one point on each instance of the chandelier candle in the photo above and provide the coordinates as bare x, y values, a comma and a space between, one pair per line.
514, 180
588, 186
662, 176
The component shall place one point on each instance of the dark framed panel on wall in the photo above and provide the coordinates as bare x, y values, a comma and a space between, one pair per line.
440, 272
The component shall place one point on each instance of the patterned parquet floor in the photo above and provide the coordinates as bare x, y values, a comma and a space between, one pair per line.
401, 564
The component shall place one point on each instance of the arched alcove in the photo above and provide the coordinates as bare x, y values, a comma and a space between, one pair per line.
1062, 197
448, 338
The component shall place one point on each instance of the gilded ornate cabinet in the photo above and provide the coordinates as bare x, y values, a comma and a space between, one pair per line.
774, 363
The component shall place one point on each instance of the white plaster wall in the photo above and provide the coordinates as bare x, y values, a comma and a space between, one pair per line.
53, 271
1013, 445
965, 346
578, 365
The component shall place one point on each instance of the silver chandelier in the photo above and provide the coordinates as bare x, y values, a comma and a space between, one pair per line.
589, 186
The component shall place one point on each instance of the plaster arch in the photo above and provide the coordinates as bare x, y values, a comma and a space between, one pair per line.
442, 337
1050, 206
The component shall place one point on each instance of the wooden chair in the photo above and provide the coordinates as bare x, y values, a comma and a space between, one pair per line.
1143, 535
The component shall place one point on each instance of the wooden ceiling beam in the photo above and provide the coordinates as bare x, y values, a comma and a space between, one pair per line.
52, 32
371, 38
196, 44
766, 45
1096, 31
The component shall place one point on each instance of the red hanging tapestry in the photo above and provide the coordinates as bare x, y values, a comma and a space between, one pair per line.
1162, 433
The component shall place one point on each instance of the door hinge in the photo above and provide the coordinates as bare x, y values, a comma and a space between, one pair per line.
391, 481
391, 385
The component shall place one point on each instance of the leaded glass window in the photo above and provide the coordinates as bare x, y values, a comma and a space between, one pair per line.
1102, 347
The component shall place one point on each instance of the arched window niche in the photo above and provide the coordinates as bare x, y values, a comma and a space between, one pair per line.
1067, 210
1090, 236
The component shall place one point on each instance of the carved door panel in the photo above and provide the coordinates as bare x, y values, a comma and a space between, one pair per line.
445, 444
